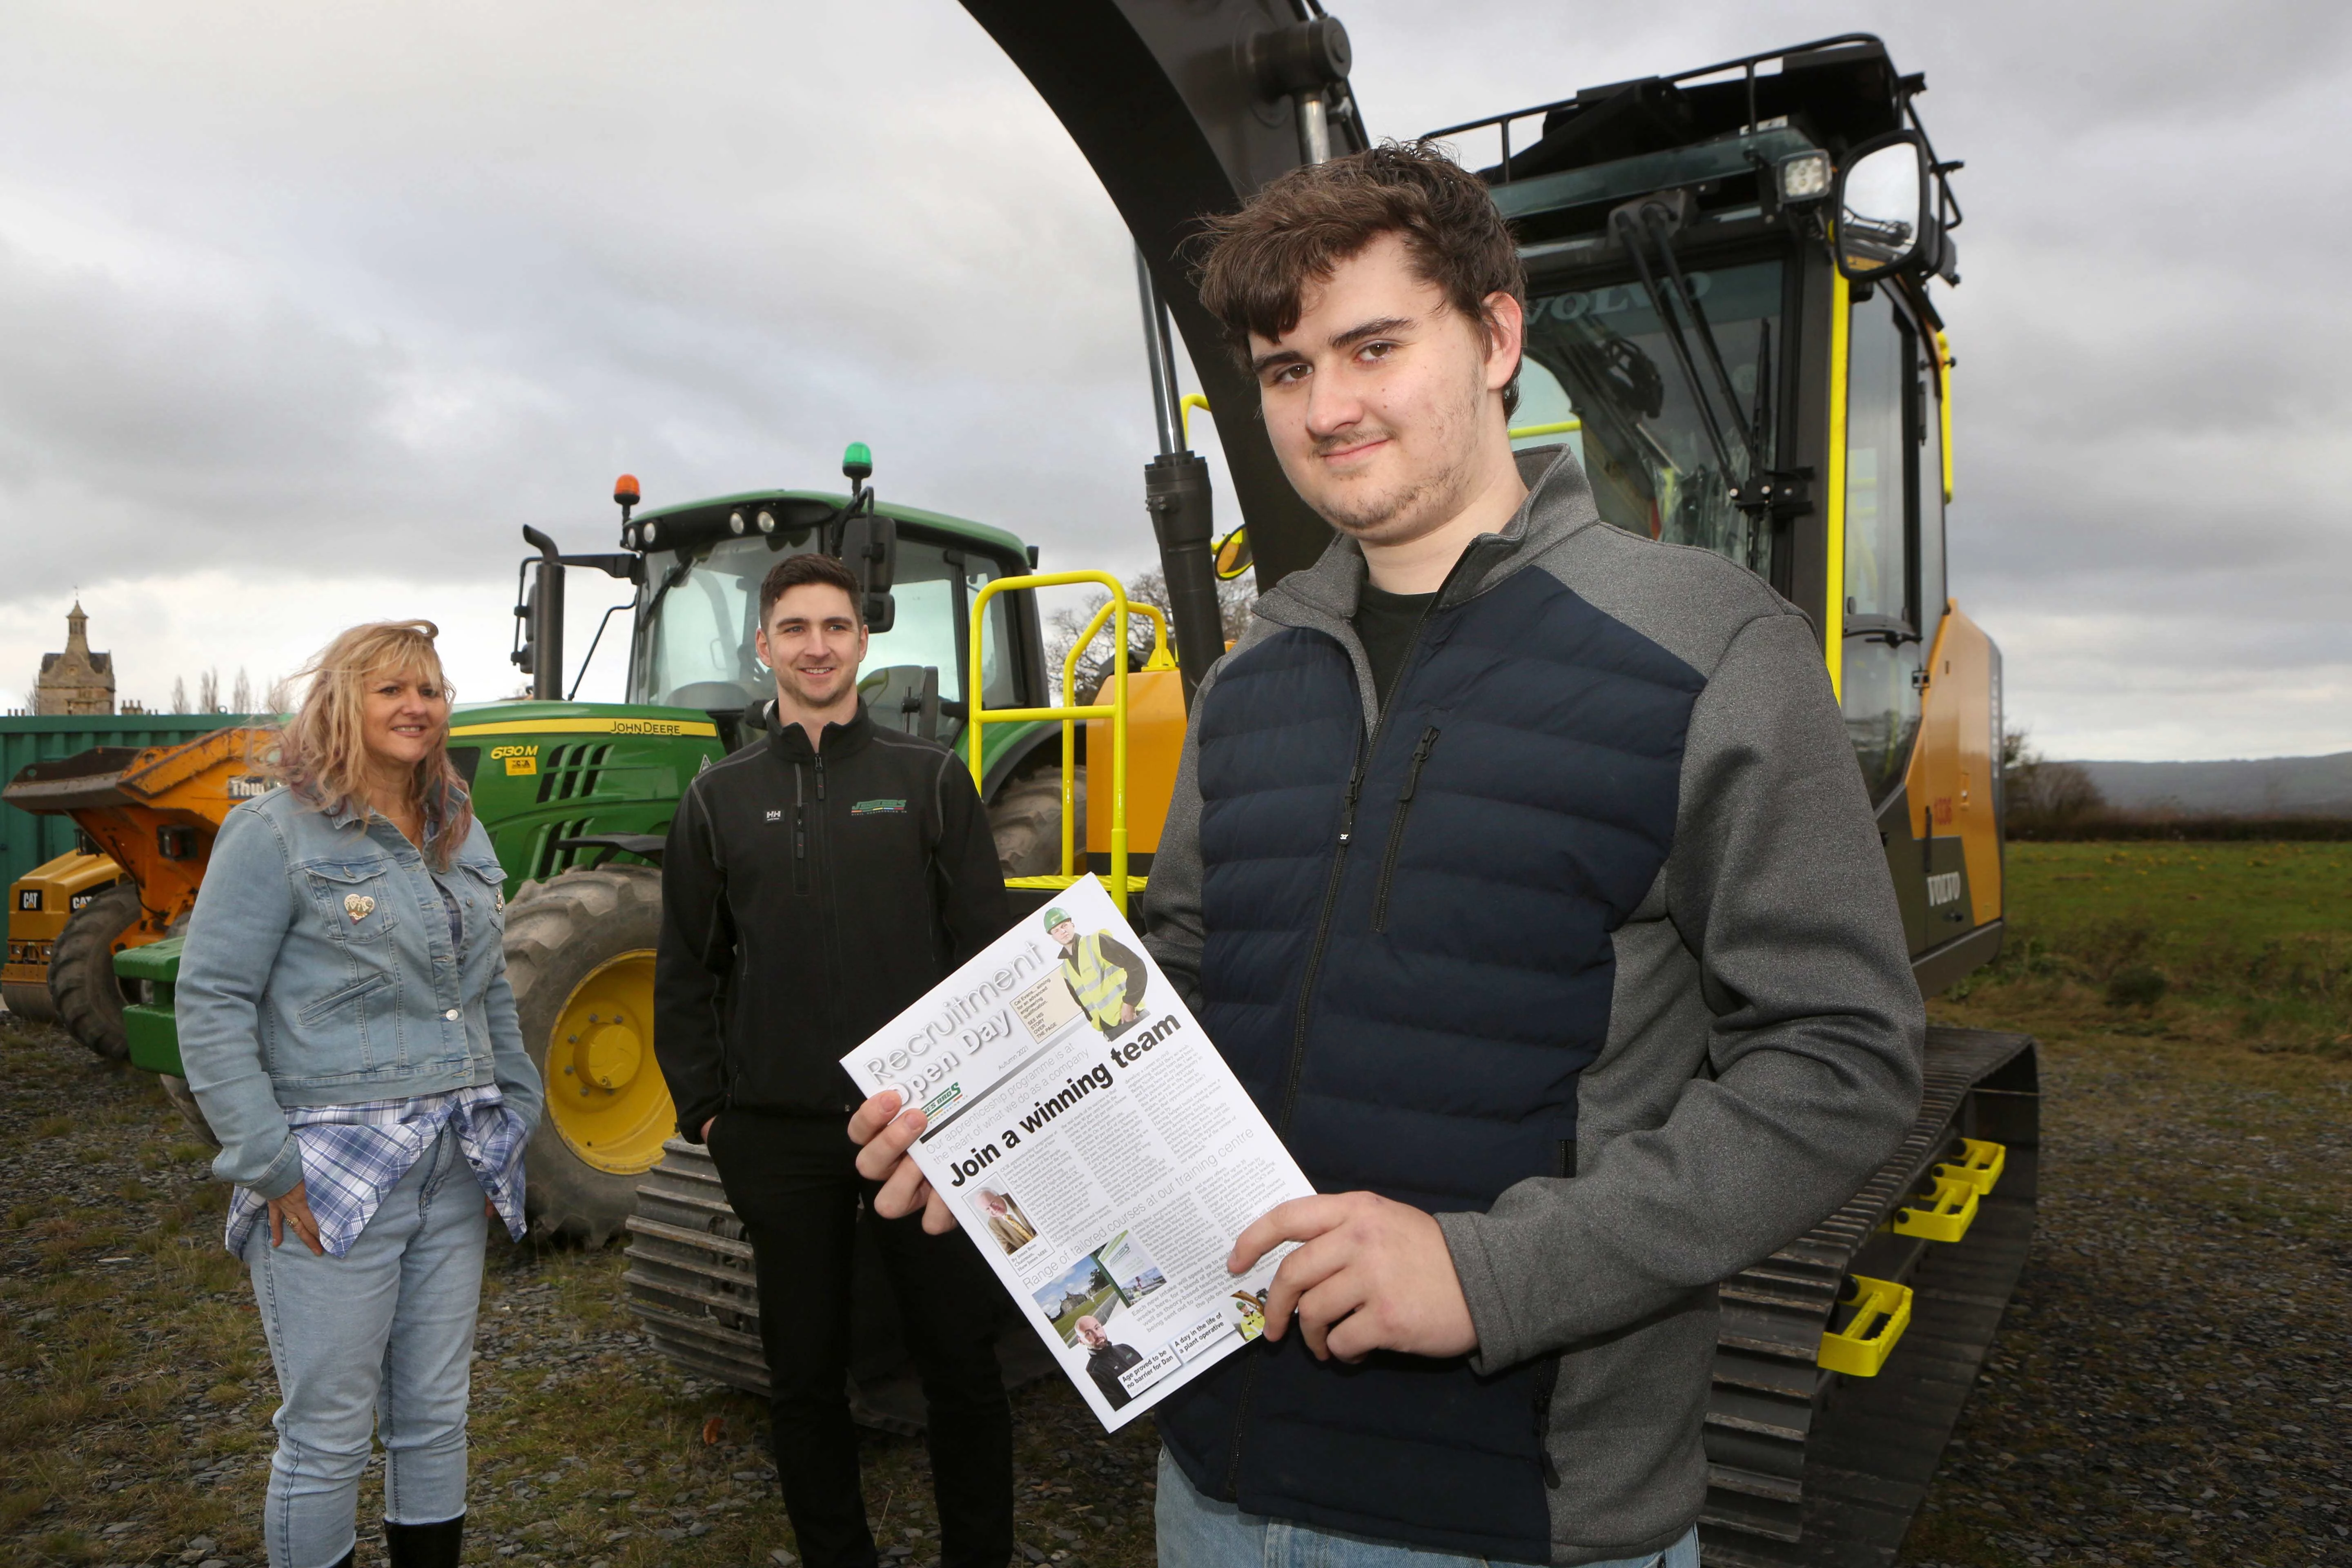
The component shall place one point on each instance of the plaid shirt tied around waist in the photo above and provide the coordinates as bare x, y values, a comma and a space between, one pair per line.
353, 1155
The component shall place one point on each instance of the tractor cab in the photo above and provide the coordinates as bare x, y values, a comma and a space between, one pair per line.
696, 569
698, 606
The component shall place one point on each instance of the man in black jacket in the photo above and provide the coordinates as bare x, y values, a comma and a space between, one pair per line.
816, 884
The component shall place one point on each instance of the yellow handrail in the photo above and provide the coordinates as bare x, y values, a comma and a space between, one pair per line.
1194, 400
1070, 714
1558, 428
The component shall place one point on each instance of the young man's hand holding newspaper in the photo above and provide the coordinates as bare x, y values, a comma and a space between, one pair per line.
1056, 1099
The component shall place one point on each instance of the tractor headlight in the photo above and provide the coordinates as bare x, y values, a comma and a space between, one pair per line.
767, 521
649, 535
734, 522
1805, 177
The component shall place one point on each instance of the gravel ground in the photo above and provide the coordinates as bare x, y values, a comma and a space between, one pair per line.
2171, 1386
2172, 1382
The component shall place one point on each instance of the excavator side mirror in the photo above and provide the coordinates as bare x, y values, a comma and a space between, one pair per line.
1233, 556
1884, 206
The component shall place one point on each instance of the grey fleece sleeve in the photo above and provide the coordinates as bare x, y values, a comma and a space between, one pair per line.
1777, 885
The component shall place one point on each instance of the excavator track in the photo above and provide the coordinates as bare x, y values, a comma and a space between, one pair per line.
690, 1282
1805, 1466
1813, 1466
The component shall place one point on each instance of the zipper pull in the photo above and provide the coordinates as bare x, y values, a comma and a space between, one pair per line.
820, 775
1348, 812
1420, 755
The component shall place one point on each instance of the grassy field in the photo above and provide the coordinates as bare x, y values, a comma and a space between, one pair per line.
2247, 944
2170, 1387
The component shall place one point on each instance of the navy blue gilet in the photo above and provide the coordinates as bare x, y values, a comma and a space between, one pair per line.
1408, 962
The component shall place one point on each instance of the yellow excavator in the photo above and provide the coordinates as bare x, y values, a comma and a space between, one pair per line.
1734, 322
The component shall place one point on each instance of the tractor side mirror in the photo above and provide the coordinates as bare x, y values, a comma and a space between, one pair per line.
869, 548
1883, 204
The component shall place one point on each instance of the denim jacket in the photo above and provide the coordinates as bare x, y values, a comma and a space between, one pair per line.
319, 971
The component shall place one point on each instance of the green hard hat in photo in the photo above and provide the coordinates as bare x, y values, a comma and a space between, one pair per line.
1056, 917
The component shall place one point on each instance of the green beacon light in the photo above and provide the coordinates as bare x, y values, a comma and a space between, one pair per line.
858, 462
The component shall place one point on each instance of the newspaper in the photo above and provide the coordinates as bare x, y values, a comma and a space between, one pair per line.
1096, 1146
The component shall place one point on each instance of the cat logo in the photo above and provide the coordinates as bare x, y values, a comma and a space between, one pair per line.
28, 900
522, 761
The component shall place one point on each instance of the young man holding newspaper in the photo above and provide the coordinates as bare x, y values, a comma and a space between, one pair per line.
814, 884
1519, 867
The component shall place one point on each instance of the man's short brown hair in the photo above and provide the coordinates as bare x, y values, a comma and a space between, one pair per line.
1256, 264
799, 572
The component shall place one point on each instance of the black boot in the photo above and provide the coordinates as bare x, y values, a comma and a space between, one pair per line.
424, 1545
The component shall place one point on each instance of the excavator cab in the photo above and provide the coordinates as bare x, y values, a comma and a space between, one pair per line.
1732, 325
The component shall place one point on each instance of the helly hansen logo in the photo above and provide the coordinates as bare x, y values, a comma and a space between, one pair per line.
775, 816
877, 807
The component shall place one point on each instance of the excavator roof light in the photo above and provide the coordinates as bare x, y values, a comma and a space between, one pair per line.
624, 489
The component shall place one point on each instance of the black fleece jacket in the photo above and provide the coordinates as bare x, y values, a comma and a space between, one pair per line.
809, 896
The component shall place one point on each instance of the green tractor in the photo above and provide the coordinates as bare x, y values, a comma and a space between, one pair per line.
577, 796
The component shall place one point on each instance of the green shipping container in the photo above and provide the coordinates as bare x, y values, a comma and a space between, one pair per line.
26, 840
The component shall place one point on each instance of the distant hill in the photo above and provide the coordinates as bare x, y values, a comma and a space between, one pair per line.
2262, 786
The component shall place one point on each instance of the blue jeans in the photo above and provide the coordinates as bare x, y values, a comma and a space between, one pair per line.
1196, 1532
377, 1341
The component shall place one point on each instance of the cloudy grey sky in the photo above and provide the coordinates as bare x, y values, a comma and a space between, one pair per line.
304, 309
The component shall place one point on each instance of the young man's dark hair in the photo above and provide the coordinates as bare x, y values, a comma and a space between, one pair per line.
1519, 868
799, 570
1256, 263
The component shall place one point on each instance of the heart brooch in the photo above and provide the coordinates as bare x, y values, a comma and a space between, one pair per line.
358, 906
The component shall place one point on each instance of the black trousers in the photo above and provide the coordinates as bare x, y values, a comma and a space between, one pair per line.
795, 1183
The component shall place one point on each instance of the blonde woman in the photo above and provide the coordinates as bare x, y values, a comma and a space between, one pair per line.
346, 1024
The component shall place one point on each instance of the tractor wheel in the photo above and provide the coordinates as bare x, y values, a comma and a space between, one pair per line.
1026, 817
82, 982
580, 955
184, 1100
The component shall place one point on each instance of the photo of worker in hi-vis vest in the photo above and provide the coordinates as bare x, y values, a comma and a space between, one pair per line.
1105, 978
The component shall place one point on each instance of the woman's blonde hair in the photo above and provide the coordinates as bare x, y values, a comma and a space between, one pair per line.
322, 755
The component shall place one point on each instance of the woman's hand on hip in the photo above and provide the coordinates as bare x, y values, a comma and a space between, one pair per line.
292, 1212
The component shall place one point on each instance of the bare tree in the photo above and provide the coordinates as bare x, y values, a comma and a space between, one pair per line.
209, 691
1233, 601
282, 694
2039, 793
179, 694
240, 694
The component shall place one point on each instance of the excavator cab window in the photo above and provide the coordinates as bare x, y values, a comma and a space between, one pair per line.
1599, 357
1894, 534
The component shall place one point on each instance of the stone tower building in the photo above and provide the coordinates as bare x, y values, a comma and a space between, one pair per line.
76, 680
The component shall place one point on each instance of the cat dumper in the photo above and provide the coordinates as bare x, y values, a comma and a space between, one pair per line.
151, 813
40, 903
1733, 324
